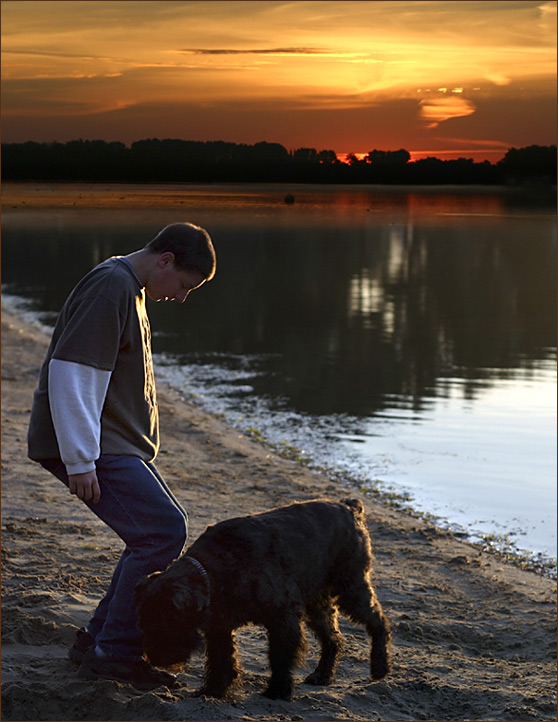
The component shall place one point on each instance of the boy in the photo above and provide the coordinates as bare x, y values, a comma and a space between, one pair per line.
94, 425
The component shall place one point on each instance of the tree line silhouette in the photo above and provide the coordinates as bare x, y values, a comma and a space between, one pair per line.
170, 160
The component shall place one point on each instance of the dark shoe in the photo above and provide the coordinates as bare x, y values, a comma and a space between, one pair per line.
139, 673
83, 642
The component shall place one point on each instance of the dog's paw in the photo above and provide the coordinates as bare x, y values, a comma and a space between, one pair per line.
283, 690
319, 679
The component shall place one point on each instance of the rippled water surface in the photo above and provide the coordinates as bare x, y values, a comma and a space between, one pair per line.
405, 337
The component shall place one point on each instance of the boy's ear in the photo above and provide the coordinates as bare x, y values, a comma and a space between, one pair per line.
166, 258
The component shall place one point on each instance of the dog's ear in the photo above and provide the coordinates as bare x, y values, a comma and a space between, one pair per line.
201, 600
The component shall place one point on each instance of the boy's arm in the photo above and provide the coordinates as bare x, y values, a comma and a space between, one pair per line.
77, 394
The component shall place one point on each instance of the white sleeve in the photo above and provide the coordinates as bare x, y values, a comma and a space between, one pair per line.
76, 395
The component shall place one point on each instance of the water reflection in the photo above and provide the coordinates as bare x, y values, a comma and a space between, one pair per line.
413, 332
347, 301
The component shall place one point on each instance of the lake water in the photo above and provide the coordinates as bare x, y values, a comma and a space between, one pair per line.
402, 337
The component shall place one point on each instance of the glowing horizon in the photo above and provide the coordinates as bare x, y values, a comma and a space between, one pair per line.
346, 76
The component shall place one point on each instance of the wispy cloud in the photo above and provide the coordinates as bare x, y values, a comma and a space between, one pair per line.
51, 54
255, 51
480, 143
436, 110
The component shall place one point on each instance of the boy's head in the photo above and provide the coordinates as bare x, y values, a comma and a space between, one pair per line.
191, 246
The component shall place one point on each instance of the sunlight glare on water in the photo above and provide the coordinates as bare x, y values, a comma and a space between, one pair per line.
456, 460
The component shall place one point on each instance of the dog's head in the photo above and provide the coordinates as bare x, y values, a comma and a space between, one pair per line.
172, 612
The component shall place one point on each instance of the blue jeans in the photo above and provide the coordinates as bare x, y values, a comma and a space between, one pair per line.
137, 504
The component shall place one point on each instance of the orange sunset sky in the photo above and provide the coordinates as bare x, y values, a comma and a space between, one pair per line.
450, 78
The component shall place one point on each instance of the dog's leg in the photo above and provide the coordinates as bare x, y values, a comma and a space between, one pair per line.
360, 603
322, 620
286, 648
222, 668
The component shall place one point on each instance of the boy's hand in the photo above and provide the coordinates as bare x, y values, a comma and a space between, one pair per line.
85, 486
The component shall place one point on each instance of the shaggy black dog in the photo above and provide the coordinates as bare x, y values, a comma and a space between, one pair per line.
297, 563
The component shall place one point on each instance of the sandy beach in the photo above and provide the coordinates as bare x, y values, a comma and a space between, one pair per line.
474, 637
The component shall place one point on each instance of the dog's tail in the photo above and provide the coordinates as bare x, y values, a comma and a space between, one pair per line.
355, 505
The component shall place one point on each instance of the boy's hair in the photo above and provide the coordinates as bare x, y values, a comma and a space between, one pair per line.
191, 245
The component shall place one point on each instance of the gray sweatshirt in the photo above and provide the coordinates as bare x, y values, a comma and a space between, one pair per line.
96, 392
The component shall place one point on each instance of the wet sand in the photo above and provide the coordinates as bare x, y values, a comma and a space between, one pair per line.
474, 637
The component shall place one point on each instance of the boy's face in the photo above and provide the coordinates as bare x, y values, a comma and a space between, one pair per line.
169, 282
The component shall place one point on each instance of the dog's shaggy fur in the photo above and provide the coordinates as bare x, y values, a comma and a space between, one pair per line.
297, 563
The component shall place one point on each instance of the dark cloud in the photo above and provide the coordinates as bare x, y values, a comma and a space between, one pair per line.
263, 51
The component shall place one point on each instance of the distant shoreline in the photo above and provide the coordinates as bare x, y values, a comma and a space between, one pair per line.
62, 194
177, 160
